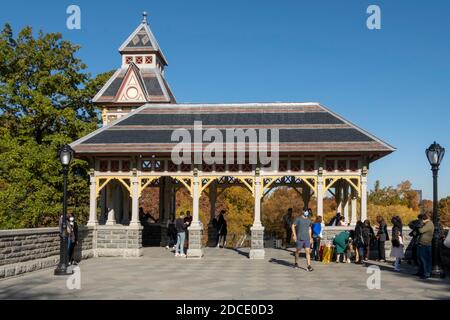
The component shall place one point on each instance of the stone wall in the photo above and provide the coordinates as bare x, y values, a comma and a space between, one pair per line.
26, 250
118, 241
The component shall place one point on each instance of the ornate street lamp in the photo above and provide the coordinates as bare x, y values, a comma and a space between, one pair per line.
435, 153
65, 155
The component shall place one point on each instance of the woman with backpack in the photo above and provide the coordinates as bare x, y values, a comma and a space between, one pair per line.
397, 242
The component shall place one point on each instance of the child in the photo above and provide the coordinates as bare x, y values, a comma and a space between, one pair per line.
350, 251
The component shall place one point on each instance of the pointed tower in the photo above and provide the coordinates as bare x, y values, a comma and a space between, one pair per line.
139, 80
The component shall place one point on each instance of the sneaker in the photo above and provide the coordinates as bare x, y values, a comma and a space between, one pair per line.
296, 266
167, 247
397, 270
177, 254
309, 268
182, 255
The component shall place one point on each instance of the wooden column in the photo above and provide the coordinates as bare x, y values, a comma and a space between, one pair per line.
135, 201
92, 201
257, 247
320, 195
195, 230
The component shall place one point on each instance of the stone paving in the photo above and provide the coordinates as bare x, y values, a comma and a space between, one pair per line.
221, 274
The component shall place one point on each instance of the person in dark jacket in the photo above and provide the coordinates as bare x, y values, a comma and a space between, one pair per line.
72, 237
368, 236
359, 241
171, 233
221, 229
414, 225
382, 237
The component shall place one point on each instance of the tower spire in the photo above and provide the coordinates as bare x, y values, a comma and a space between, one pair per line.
144, 17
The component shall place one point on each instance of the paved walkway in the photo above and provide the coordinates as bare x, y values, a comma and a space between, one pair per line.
221, 274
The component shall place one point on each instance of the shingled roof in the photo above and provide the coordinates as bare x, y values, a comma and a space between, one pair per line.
151, 81
303, 128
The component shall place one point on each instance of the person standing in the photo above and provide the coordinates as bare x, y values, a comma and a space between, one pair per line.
72, 232
369, 236
287, 222
187, 221
360, 241
316, 236
180, 226
221, 229
301, 231
382, 237
424, 247
188, 218
397, 242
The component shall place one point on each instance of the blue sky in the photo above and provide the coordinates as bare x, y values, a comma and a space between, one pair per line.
393, 82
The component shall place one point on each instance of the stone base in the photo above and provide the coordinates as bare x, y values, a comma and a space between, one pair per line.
125, 253
194, 253
118, 241
212, 235
257, 254
257, 248
195, 249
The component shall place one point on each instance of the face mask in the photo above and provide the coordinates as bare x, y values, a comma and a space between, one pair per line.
306, 213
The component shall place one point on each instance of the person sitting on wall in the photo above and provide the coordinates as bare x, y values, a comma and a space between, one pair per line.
335, 220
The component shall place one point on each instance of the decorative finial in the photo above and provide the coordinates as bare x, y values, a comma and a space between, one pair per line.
144, 15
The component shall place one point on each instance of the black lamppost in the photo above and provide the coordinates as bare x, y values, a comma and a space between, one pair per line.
435, 153
65, 155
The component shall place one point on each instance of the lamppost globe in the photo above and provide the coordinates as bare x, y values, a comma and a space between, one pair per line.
66, 155
435, 154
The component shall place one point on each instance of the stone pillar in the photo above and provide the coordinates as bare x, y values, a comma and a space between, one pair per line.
354, 204
212, 230
345, 202
195, 249
92, 202
257, 248
363, 198
135, 202
320, 195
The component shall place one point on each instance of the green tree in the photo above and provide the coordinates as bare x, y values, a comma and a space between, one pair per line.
45, 102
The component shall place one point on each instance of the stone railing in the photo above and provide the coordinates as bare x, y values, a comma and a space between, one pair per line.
26, 250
